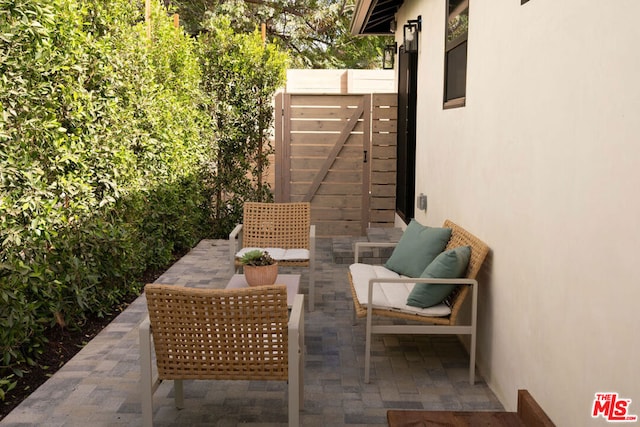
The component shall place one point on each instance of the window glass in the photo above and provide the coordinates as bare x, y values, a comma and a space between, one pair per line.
455, 60
457, 71
458, 23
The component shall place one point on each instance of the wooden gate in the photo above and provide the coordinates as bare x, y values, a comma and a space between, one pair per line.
339, 153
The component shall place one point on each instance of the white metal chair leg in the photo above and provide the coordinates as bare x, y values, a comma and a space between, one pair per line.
300, 376
312, 267
367, 351
296, 360
472, 348
301, 358
472, 360
369, 330
146, 380
178, 391
312, 291
294, 398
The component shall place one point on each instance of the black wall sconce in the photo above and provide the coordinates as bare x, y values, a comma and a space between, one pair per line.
411, 30
389, 56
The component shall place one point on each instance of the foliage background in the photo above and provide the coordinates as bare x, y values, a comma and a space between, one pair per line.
119, 150
315, 33
240, 76
104, 143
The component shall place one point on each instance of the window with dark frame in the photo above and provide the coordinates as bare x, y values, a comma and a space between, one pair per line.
455, 59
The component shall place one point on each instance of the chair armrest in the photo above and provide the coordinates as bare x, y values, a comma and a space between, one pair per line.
144, 335
148, 383
296, 331
468, 282
296, 317
144, 330
433, 281
235, 232
233, 247
362, 245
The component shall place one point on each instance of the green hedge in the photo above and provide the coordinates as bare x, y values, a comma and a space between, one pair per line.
241, 74
104, 148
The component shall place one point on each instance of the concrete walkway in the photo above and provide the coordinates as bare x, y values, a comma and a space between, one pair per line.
99, 386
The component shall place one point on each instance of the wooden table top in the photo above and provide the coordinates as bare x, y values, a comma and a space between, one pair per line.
400, 418
292, 281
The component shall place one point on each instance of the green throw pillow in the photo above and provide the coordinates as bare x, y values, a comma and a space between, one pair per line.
418, 246
450, 264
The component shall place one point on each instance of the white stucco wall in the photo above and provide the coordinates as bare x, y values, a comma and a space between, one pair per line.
543, 164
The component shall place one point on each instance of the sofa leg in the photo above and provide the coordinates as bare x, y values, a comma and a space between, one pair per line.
178, 391
367, 351
472, 360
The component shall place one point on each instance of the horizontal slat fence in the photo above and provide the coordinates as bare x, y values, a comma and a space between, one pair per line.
383, 160
338, 152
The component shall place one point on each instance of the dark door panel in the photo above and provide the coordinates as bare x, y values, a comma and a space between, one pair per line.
406, 172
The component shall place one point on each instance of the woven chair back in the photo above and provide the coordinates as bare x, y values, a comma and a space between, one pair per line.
276, 225
225, 334
479, 251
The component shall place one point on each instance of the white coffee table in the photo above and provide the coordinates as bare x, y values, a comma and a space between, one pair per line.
292, 281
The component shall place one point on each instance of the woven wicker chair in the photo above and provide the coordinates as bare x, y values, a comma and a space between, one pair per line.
421, 324
280, 227
222, 334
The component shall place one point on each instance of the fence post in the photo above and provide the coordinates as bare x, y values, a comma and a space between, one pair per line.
366, 164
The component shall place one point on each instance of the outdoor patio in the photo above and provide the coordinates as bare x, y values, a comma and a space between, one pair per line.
99, 386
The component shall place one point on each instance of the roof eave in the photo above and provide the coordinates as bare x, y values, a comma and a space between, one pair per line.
360, 15
374, 17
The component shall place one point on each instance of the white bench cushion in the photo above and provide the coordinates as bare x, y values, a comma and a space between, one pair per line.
280, 254
389, 296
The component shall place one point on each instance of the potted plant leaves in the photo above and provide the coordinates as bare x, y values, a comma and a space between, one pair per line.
259, 268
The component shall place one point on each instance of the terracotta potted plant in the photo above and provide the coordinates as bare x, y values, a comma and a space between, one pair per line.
259, 268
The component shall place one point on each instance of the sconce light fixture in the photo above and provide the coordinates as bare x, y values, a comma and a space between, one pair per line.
411, 30
388, 56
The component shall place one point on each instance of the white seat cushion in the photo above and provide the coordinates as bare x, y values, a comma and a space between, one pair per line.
389, 296
280, 254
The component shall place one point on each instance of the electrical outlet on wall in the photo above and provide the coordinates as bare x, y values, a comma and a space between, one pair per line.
422, 202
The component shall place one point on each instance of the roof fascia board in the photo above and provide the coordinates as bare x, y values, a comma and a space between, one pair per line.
360, 16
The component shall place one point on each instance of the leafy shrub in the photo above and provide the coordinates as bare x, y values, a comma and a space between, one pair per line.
102, 161
240, 76
117, 151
